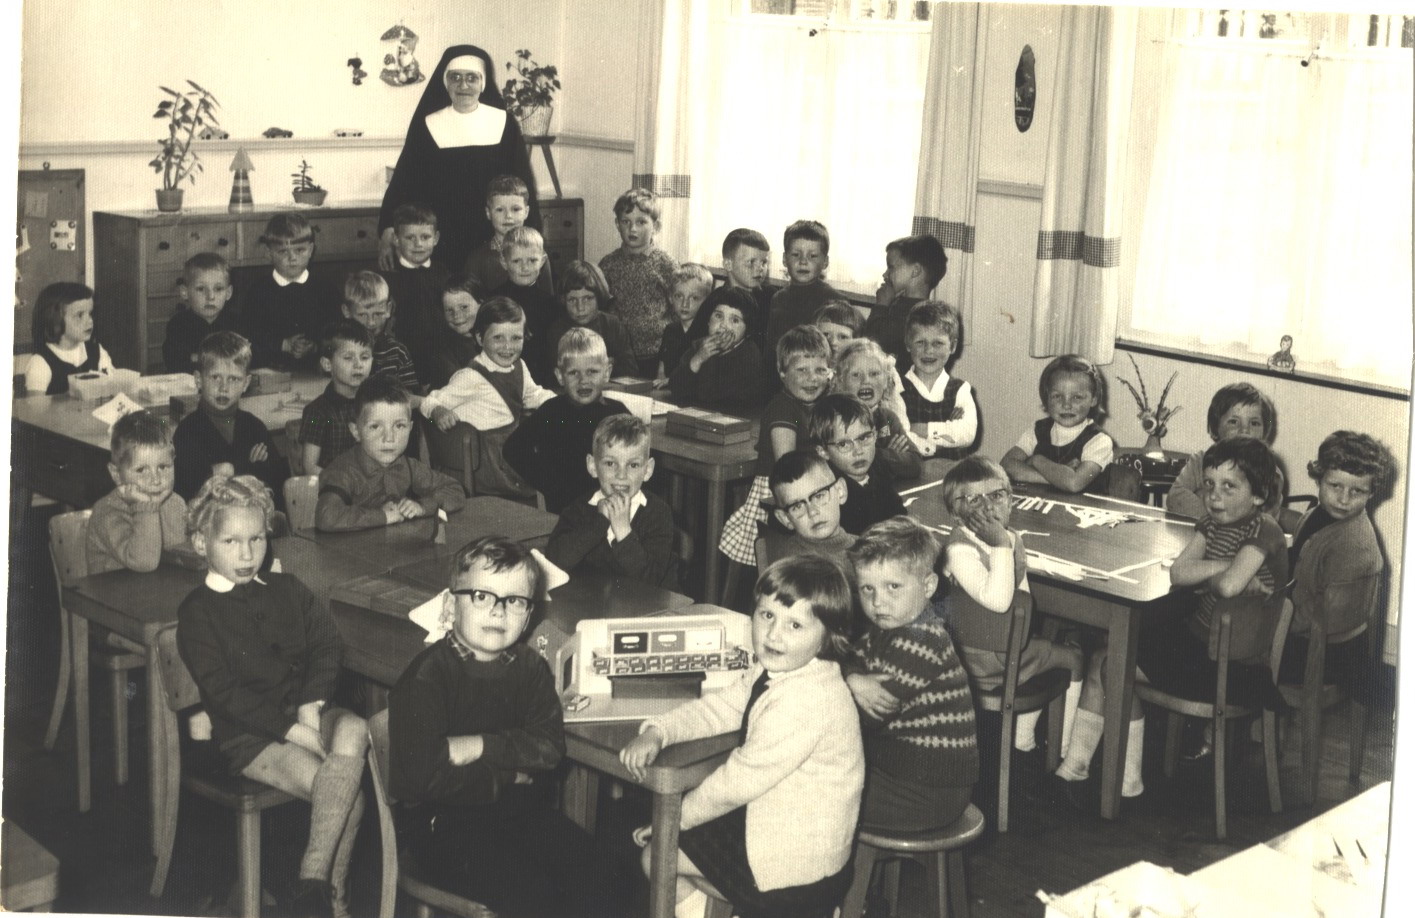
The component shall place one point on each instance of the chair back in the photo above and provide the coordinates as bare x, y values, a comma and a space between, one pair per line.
301, 495
455, 452
1253, 628
378, 755
293, 450
383, 802
1349, 608
179, 689
68, 535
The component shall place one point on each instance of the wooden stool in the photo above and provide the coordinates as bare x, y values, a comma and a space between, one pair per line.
544, 144
940, 852
29, 874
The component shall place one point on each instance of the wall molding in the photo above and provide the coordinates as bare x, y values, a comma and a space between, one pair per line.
63, 148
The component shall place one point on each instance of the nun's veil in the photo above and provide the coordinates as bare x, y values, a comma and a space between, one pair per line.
435, 97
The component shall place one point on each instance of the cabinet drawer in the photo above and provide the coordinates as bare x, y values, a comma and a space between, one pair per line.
162, 245
346, 235
209, 237
70, 472
561, 226
163, 282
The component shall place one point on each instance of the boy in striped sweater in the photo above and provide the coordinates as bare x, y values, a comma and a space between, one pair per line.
916, 709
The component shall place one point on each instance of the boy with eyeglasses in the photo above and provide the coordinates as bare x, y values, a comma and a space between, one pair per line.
844, 434
808, 497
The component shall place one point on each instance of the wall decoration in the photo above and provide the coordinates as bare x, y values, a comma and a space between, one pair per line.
1153, 421
400, 67
1024, 94
356, 64
1283, 359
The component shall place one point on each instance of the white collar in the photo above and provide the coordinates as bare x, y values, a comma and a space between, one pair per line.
76, 352
492, 365
1062, 436
480, 127
408, 264
283, 281
219, 583
934, 392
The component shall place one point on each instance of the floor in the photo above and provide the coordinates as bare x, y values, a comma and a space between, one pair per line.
1052, 846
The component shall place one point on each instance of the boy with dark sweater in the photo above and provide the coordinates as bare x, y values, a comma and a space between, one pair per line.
808, 496
283, 312
327, 422
843, 432
508, 203
547, 448
806, 254
415, 284
620, 529
523, 257
913, 267
205, 289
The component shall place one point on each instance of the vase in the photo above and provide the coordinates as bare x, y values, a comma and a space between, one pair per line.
310, 198
1153, 447
169, 200
535, 122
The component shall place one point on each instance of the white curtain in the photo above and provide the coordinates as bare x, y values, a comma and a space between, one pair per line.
1280, 204
1076, 296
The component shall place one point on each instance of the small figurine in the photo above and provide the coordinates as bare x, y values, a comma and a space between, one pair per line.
1283, 359
356, 64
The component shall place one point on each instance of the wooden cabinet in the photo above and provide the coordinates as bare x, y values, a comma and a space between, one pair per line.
563, 226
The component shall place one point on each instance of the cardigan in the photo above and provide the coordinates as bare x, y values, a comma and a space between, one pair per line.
131, 535
581, 542
1338, 552
800, 772
200, 446
355, 486
548, 449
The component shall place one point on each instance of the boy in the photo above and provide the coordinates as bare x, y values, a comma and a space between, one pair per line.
283, 312
454, 345
620, 530
807, 255
366, 301
843, 432
376, 485
584, 293
219, 437
942, 415
205, 289
508, 202
921, 739
808, 497
746, 257
639, 271
523, 257
415, 283
546, 449
347, 356
913, 267
132, 524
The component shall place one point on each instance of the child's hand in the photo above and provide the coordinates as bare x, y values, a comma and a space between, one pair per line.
391, 513
309, 714
444, 418
299, 346
409, 509
642, 836
223, 470
660, 382
615, 508
871, 696
641, 751
133, 494
885, 294
986, 522
259, 453
900, 443
301, 735
522, 778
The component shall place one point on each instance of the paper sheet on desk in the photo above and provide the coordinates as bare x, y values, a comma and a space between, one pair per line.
428, 616
641, 406
116, 407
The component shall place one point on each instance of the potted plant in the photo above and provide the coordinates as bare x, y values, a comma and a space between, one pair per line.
530, 92
306, 190
186, 113
1153, 421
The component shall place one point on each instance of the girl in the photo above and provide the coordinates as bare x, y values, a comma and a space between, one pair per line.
639, 272
723, 371
771, 830
1066, 449
862, 369
1236, 410
584, 296
691, 285
63, 333
265, 655
454, 349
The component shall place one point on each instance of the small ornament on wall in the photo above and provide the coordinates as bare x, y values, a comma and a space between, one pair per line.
1024, 94
1283, 359
356, 64
400, 66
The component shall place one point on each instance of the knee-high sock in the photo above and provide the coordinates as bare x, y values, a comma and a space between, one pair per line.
336, 788
1025, 738
1073, 702
1132, 786
1085, 737
343, 854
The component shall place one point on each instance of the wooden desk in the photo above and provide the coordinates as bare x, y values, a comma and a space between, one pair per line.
29, 874
1129, 552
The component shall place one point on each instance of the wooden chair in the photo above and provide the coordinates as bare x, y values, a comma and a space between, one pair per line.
301, 495
427, 897
1294, 507
68, 533
207, 775
1248, 627
1044, 690
457, 452
1348, 612
939, 852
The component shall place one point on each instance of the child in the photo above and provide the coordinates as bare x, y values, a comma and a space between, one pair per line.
639, 272
491, 395
220, 438
940, 408
375, 484
283, 313
723, 370
771, 829
264, 653
1236, 410
523, 256
620, 530
1066, 449
367, 301
454, 346
205, 289
474, 727
691, 286
132, 524
806, 246
547, 449
843, 432
804, 355
584, 294
808, 495
746, 258
862, 370
839, 322
415, 283
987, 563
913, 267
63, 339
326, 425
508, 204
921, 740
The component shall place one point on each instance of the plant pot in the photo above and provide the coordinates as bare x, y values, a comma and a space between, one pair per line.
535, 122
169, 200
1153, 447
310, 198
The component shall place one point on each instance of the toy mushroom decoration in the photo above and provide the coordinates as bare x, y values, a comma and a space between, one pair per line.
1153, 421
1283, 359
400, 67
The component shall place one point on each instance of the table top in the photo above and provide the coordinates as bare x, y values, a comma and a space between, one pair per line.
708, 460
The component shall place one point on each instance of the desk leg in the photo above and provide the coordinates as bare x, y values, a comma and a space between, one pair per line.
1122, 650
157, 741
663, 869
581, 795
716, 514
78, 653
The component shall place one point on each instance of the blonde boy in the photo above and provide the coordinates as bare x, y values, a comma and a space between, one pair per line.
132, 524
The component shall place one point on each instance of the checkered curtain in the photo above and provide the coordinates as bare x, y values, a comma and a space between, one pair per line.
1076, 296
946, 199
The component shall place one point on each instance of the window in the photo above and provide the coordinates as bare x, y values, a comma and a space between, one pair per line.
1271, 189
845, 10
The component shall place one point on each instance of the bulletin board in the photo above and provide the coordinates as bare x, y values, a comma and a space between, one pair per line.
49, 239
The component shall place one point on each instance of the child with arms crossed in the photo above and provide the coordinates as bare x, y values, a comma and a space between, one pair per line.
940, 408
1236, 410
1066, 449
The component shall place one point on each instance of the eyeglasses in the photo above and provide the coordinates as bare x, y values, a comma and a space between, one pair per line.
485, 601
976, 501
815, 500
861, 442
463, 79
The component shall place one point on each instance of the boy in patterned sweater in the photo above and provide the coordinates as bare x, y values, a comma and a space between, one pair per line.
916, 710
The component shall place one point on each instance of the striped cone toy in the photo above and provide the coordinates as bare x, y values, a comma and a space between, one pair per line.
241, 200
